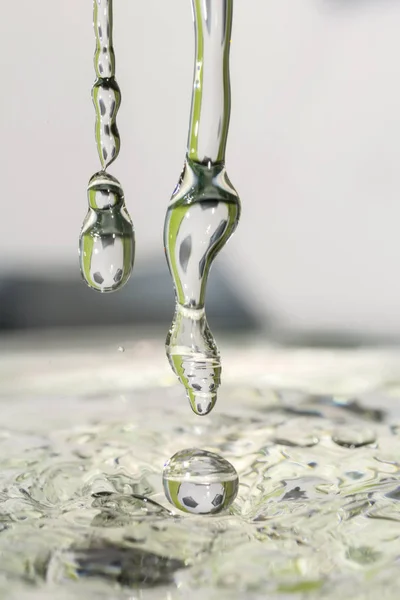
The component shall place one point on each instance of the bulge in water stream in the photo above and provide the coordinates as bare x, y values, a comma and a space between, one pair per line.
107, 101
194, 358
203, 213
107, 240
200, 482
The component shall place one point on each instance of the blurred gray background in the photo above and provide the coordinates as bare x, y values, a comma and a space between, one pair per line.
314, 151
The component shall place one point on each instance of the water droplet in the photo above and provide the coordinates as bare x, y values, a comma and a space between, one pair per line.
353, 438
200, 482
107, 240
194, 358
121, 349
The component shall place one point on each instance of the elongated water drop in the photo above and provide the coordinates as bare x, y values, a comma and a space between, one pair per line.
203, 214
194, 358
200, 482
204, 210
107, 240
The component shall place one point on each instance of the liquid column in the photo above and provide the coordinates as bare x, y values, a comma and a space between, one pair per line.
204, 209
107, 239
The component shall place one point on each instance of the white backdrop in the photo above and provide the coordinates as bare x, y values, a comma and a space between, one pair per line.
314, 149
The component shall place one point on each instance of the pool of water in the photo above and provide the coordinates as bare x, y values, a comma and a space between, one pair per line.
85, 431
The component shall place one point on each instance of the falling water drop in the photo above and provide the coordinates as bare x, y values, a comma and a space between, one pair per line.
200, 482
194, 358
204, 210
107, 240
203, 214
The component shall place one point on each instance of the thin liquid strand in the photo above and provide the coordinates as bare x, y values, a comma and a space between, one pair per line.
106, 94
107, 239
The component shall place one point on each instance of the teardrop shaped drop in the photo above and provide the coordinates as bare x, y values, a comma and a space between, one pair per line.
107, 240
194, 358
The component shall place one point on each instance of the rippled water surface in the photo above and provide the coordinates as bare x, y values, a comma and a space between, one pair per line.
83, 514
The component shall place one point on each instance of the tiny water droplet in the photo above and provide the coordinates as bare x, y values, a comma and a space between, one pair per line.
107, 240
121, 349
200, 482
353, 438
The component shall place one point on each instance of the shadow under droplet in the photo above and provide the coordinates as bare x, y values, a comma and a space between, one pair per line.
126, 566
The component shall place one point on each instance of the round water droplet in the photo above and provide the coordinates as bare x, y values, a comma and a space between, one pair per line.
353, 438
107, 240
121, 349
200, 482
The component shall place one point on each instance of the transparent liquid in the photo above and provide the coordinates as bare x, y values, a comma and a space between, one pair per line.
107, 100
107, 240
200, 482
105, 93
194, 358
83, 512
203, 214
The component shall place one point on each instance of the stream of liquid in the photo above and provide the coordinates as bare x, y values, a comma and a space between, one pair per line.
107, 239
204, 210
203, 214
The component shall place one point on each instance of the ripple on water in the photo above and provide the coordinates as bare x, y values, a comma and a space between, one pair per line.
86, 504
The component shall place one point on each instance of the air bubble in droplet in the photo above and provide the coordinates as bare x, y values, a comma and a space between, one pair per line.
107, 240
200, 482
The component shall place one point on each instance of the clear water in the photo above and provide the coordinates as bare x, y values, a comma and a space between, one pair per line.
204, 209
194, 358
107, 240
107, 100
211, 98
105, 93
82, 507
200, 482
203, 214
